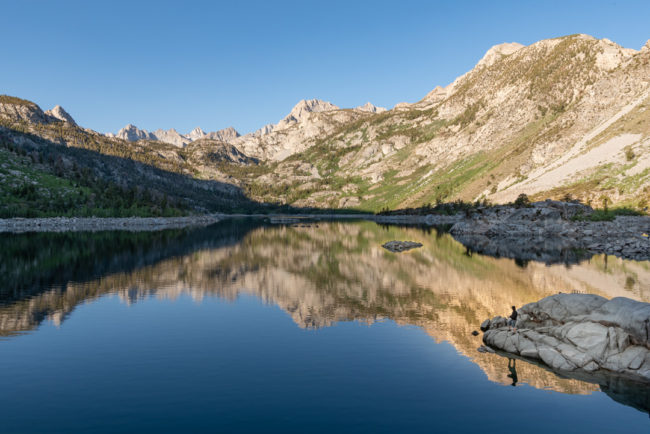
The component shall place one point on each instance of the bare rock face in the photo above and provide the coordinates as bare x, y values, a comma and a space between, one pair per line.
438, 94
196, 133
370, 108
308, 120
266, 129
207, 150
226, 135
303, 109
132, 133
18, 110
58, 113
579, 332
498, 52
22, 110
173, 137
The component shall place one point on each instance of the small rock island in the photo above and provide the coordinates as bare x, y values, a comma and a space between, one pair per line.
400, 246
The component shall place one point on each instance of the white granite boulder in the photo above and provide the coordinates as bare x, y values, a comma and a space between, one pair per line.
586, 332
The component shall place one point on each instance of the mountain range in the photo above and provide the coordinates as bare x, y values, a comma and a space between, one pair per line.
132, 133
299, 113
563, 117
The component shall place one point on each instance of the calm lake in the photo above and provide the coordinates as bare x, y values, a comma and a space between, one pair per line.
246, 326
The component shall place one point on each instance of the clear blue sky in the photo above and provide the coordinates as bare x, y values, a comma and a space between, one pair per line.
214, 64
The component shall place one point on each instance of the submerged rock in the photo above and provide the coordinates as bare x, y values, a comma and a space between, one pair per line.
579, 332
400, 246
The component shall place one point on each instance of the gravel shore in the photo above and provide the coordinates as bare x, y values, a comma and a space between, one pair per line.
544, 231
92, 224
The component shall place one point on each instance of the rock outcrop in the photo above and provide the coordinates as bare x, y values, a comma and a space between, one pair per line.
266, 129
226, 135
370, 108
527, 232
498, 52
579, 332
132, 133
206, 151
60, 114
307, 121
20, 110
303, 110
171, 136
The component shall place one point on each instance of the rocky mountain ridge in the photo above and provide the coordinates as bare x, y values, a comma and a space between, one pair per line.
301, 114
132, 133
20, 110
564, 116
561, 117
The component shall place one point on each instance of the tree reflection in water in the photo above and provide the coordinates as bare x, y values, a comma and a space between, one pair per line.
317, 274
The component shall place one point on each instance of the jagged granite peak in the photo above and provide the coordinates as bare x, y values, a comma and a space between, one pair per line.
195, 134
266, 129
646, 46
498, 51
59, 113
306, 106
132, 133
172, 137
371, 108
225, 135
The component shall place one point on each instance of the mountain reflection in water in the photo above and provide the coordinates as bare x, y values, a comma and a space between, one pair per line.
319, 274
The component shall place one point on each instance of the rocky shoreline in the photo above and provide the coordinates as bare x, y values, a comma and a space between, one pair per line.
545, 231
93, 224
548, 231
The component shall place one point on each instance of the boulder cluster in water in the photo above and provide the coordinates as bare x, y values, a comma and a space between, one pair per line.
579, 332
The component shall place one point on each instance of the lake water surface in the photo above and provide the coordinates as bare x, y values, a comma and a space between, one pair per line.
246, 326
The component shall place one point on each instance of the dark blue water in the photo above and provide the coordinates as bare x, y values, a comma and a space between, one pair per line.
220, 338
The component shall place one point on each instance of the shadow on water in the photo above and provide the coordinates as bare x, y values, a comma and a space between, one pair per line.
620, 388
521, 250
35, 262
319, 274
526, 250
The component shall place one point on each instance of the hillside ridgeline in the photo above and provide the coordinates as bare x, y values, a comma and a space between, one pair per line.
562, 117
